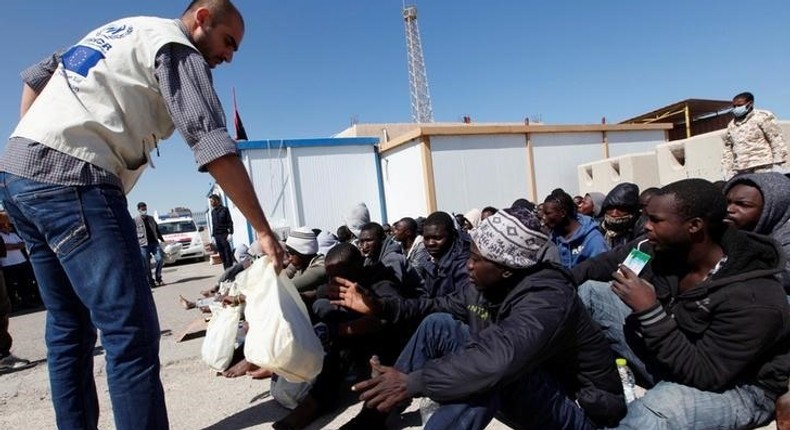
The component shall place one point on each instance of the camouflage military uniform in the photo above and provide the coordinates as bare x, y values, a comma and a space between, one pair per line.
753, 144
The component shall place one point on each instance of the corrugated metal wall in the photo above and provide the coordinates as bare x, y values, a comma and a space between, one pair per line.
402, 174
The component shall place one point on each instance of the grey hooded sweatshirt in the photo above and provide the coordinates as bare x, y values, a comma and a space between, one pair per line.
775, 219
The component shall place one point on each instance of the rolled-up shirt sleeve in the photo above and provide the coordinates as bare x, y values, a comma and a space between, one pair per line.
37, 75
186, 85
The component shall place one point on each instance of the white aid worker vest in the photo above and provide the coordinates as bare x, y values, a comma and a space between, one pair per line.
103, 104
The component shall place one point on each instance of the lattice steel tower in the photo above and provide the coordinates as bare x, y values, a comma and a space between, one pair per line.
421, 110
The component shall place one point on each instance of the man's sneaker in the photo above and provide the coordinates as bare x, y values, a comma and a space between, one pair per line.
11, 362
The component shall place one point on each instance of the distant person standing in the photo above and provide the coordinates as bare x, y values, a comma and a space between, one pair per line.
149, 236
753, 141
92, 117
221, 228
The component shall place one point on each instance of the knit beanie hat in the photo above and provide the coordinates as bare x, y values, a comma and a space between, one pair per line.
303, 241
510, 237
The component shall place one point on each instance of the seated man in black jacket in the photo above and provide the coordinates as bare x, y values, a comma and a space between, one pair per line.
521, 343
706, 316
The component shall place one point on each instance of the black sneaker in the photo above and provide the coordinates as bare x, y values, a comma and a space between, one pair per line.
367, 419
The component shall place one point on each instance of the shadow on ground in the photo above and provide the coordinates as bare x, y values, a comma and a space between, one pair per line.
193, 278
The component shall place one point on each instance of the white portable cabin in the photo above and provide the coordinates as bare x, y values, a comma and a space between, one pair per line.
457, 167
310, 182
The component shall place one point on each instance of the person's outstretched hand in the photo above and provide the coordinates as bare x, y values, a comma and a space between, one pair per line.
348, 294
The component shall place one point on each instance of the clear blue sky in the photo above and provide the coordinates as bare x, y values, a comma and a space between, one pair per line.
306, 67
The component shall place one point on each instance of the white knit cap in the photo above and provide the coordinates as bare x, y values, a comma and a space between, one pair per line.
303, 241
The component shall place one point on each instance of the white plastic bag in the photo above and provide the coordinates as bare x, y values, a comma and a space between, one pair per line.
220, 341
280, 336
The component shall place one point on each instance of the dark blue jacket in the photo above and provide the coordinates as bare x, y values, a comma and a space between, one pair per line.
221, 221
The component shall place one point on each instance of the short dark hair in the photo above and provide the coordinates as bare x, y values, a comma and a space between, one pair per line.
699, 198
214, 197
344, 254
491, 209
344, 234
749, 97
375, 227
141, 205
408, 224
523, 203
220, 9
440, 219
563, 200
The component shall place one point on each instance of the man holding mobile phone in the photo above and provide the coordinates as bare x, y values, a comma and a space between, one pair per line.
706, 325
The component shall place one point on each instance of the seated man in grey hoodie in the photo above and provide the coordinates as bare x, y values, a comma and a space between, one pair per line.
760, 203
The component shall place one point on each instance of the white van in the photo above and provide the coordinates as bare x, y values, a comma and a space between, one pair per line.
184, 231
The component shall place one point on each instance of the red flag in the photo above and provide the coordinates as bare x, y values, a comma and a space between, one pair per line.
241, 134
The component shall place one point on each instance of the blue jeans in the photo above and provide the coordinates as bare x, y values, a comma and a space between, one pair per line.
668, 405
534, 400
85, 255
147, 251
610, 312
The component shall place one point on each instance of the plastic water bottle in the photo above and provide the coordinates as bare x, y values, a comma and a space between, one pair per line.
627, 379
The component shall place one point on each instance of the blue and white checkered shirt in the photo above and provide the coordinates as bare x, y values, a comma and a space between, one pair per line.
186, 85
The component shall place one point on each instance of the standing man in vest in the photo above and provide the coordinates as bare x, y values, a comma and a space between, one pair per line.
221, 228
91, 117
149, 236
